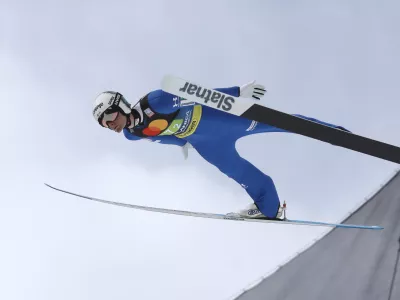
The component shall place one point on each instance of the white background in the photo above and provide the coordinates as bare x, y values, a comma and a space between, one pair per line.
335, 61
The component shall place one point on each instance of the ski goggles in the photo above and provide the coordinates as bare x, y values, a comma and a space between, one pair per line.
108, 117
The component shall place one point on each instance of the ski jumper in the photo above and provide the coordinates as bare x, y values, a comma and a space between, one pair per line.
213, 133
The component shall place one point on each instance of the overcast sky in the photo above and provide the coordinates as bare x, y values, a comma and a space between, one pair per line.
335, 61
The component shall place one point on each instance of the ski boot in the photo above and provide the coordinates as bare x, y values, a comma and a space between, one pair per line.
252, 212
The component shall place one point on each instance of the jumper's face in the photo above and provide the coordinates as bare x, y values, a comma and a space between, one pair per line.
117, 123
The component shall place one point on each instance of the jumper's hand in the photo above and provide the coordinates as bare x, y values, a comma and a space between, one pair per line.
185, 150
252, 90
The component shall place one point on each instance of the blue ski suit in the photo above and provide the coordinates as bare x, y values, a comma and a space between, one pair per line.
214, 135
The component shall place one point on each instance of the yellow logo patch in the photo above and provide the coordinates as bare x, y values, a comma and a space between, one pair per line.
197, 111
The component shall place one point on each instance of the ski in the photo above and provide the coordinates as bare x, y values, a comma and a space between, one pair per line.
195, 93
231, 217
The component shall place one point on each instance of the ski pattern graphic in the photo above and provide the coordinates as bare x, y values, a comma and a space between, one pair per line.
195, 93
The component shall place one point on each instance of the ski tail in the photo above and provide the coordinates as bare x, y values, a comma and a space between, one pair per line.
373, 227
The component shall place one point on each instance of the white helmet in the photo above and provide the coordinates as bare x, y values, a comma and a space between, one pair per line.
108, 103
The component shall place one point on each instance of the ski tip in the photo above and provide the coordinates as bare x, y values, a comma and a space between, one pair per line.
167, 77
52, 187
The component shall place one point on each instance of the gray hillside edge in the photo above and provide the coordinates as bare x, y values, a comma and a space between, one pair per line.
344, 264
